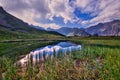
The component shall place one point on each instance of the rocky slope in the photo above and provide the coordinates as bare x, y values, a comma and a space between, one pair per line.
105, 29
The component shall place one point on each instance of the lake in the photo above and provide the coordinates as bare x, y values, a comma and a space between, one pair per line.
50, 51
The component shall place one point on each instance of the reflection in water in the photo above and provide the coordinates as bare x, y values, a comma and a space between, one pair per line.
50, 51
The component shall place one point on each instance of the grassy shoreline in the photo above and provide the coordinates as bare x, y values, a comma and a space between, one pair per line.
98, 60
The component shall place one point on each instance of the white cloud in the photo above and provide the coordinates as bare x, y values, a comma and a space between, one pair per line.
82, 4
85, 5
61, 8
105, 11
50, 25
30, 10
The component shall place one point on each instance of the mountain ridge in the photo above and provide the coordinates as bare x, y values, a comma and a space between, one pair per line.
12, 27
72, 31
111, 28
105, 29
14, 24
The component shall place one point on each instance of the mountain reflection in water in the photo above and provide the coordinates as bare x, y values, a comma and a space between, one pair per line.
50, 51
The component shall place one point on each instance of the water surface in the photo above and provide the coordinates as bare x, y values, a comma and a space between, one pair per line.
50, 51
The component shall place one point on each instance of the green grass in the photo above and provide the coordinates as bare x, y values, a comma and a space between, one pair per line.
14, 50
90, 63
98, 60
8, 34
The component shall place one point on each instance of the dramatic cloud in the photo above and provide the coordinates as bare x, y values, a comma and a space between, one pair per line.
80, 12
105, 10
110, 9
29, 10
61, 8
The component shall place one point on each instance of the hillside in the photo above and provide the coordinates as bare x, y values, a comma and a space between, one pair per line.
72, 31
102, 29
105, 29
14, 28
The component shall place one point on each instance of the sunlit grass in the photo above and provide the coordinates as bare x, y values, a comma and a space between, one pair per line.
14, 50
91, 63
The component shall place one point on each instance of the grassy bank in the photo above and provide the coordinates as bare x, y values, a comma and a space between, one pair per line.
16, 50
98, 60
92, 63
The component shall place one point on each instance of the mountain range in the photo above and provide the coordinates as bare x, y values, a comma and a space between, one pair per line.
105, 29
102, 29
12, 26
72, 31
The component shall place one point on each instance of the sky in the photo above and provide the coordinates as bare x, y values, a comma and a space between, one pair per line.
63, 13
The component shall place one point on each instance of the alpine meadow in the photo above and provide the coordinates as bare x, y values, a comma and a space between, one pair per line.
59, 40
